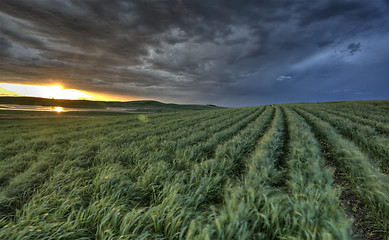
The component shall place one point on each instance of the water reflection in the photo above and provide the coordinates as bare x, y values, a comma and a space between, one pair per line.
58, 109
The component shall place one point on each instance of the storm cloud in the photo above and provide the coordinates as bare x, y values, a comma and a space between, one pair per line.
231, 53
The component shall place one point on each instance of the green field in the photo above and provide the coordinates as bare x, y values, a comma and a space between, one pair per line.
293, 171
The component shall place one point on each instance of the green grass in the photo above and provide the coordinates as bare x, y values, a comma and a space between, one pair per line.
293, 171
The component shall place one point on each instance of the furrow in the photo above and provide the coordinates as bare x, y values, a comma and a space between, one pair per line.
380, 127
365, 137
251, 203
314, 200
362, 179
364, 111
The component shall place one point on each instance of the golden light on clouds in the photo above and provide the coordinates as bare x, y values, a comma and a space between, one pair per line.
54, 91
57, 92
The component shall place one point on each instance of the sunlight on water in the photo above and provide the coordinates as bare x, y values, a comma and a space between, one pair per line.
65, 109
58, 109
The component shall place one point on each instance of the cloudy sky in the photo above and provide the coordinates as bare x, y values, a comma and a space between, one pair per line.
229, 53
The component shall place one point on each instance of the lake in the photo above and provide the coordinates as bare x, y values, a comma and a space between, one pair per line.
61, 109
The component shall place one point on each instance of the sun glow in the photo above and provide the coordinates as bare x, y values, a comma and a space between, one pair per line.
56, 91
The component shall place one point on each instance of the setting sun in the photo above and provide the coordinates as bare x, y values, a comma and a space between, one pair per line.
55, 91
58, 92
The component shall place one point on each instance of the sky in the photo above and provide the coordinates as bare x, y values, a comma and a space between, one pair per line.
229, 53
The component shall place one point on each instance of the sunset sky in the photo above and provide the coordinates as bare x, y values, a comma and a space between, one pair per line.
229, 53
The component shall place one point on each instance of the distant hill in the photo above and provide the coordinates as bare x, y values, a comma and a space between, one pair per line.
146, 105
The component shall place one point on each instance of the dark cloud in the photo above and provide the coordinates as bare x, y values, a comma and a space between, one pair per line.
341, 10
5, 45
226, 52
354, 47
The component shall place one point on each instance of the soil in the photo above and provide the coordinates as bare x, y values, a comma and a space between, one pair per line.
353, 207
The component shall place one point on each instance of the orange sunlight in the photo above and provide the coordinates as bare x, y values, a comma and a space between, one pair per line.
58, 109
55, 91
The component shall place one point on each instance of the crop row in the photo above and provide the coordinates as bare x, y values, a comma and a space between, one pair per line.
362, 178
372, 143
366, 111
271, 172
72, 172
